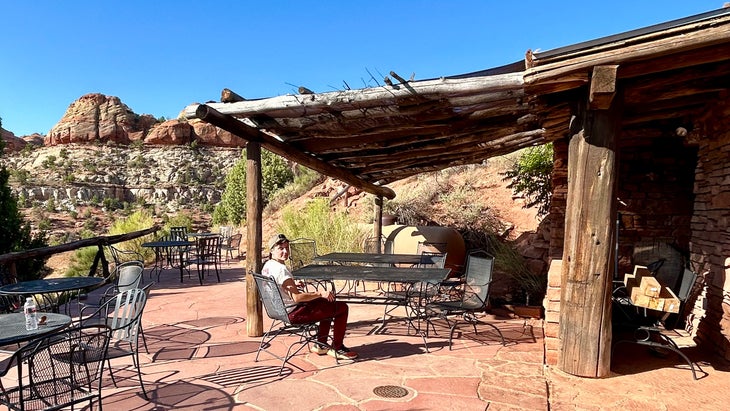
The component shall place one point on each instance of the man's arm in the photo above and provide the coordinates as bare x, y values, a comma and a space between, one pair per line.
300, 297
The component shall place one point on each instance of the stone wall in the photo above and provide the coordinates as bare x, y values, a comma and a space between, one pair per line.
710, 245
656, 187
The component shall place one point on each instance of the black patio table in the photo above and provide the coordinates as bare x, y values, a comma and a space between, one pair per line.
372, 258
12, 327
163, 247
62, 286
406, 277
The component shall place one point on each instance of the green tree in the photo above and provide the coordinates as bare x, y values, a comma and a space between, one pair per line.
15, 231
275, 174
531, 175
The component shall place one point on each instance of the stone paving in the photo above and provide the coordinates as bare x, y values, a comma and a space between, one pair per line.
200, 358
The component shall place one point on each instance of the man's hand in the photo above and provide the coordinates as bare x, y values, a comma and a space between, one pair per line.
328, 295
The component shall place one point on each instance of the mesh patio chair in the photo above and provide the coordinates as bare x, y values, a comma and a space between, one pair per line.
273, 303
125, 276
207, 254
120, 255
473, 297
179, 233
226, 232
234, 244
58, 371
123, 314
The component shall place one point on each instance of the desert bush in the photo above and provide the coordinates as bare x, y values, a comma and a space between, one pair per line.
81, 261
112, 204
49, 162
531, 177
332, 230
531, 286
20, 175
138, 220
304, 181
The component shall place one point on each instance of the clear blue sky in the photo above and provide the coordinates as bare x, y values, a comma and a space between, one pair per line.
159, 56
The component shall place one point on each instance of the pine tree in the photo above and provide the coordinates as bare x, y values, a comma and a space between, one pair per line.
15, 233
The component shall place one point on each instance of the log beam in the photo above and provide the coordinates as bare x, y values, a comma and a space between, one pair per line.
587, 269
603, 87
254, 227
251, 134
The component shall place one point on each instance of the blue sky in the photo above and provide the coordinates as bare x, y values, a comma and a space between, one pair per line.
159, 56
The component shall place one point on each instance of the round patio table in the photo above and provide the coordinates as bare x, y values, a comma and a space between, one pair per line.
169, 248
12, 327
43, 287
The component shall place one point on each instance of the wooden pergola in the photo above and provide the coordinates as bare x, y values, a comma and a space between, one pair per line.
634, 85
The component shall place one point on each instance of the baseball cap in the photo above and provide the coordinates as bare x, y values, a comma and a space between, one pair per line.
277, 239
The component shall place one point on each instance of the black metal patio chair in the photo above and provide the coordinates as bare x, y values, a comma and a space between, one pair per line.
275, 307
123, 314
473, 298
58, 371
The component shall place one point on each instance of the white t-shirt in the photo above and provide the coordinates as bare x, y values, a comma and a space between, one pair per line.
280, 273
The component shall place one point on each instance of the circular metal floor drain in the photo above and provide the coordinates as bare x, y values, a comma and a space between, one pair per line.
390, 391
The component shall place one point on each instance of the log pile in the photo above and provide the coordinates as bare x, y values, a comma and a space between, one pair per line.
646, 291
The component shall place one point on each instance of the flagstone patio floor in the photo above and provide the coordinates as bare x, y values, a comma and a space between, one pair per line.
200, 358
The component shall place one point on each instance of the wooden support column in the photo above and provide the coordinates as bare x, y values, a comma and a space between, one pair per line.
254, 236
378, 221
587, 269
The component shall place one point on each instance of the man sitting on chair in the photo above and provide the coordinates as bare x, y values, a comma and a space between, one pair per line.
309, 306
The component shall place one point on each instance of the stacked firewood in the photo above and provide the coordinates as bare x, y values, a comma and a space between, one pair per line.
645, 290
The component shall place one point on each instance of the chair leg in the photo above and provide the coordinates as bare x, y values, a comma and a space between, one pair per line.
111, 373
144, 339
139, 373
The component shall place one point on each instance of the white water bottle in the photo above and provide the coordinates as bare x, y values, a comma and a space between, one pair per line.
31, 322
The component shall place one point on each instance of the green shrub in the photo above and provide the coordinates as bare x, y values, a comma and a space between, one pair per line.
304, 181
111, 204
275, 174
332, 230
49, 162
81, 261
531, 177
511, 263
20, 175
138, 220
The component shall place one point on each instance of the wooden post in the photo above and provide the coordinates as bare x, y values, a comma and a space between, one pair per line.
587, 269
378, 222
254, 208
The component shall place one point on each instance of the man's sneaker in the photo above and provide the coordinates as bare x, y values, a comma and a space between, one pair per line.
343, 353
318, 349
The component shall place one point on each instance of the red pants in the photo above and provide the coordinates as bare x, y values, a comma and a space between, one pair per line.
322, 310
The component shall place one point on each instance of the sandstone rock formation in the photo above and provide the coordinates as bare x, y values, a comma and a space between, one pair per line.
12, 143
95, 118
98, 118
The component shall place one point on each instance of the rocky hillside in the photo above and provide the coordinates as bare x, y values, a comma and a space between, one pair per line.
101, 155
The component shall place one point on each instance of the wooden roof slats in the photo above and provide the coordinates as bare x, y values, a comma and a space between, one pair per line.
670, 75
651, 46
298, 106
